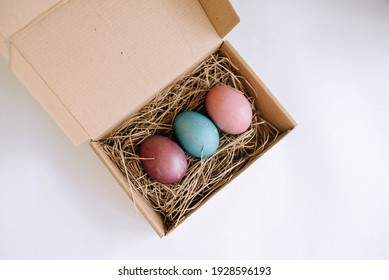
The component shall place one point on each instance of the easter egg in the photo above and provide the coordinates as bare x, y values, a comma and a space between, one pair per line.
196, 133
229, 109
163, 159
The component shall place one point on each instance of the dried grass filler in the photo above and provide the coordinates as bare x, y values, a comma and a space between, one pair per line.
205, 175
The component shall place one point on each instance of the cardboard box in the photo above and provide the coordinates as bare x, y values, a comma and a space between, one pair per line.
91, 64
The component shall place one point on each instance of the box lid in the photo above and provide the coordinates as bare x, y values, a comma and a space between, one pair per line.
92, 63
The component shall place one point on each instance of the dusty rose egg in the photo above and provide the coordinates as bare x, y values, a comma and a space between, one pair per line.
162, 159
229, 109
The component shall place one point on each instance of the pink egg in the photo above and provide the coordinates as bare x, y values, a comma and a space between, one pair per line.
163, 159
229, 109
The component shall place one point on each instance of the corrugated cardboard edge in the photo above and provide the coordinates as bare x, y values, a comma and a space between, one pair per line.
39, 17
221, 14
268, 103
46, 97
154, 219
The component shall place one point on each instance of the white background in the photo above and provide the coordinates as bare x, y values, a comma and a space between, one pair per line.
321, 193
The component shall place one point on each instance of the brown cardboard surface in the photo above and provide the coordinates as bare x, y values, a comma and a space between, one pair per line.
45, 96
221, 14
104, 60
16, 14
3, 47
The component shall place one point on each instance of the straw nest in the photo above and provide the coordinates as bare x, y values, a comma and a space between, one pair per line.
204, 176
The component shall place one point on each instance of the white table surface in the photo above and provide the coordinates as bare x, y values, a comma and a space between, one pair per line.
321, 193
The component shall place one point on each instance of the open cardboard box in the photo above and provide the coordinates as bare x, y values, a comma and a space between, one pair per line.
91, 64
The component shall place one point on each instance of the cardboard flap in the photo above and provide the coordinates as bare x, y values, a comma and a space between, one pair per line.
16, 14
103, 60
221, 14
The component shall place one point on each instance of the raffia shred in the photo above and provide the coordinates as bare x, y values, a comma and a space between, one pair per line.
204, 176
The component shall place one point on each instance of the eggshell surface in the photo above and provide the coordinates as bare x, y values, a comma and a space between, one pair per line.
163, 159
229, 109
196, 133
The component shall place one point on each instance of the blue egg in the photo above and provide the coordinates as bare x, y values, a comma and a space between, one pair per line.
196, 134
